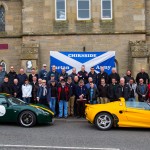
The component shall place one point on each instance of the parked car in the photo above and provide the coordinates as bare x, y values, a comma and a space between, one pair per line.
120, 113
27, 115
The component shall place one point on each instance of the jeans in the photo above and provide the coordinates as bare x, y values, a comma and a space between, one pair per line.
52, 104
27, 100
63, 108
132, 99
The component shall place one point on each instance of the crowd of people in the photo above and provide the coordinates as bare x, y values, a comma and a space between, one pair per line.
66, 95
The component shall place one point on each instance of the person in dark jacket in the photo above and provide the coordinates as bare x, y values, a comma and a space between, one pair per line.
75, 82
123, 90
35, 87
81, 92
33, 73
54, 72
142, 75
42, 94
21, 77
63, 97
43, 73
83, 74
101, 75
92, 94
64, 74
16, 89
73, 74
71, 101
142, 90
103, 92
6, 87
128, 76
112, 90
115, 75
52, 95
12, 75
132, 86
93, 75
52, 78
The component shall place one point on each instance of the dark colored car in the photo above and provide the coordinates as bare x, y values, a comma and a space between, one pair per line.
27, 115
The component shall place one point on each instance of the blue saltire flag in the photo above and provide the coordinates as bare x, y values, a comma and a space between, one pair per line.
68, 60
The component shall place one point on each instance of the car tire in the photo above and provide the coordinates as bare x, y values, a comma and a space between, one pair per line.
103, 121
27, 119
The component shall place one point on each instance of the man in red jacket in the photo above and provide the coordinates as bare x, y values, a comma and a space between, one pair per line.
63, 97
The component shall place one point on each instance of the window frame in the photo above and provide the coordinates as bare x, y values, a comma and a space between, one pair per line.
56, 12
102, 18
4, 24
89, 11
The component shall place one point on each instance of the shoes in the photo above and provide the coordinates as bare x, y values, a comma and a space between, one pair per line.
59, 117
66, 117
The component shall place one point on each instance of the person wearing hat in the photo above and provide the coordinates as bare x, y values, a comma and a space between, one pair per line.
2, 74
54, 72
52, 78
43, 73
52, 95
26, 91
63, 97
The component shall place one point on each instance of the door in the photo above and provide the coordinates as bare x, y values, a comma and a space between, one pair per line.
138, 112
6, 111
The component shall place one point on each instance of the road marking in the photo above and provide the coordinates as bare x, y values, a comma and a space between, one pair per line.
55, 147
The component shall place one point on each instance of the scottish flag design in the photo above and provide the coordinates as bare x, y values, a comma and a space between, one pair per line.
68, 60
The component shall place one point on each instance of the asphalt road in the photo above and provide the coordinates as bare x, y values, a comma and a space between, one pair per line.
72, 134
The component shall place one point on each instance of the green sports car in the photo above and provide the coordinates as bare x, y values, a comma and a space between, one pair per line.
27, 115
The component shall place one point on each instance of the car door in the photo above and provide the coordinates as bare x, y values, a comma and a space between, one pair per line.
138, 112
3, 108
6, 111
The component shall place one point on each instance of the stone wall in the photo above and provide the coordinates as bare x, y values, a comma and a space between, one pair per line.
39, 18
13, 19
118, 43
11, 55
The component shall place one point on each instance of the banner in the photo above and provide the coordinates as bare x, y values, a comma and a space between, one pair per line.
69, 60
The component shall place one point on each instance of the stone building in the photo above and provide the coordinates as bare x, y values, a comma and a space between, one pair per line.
29, 29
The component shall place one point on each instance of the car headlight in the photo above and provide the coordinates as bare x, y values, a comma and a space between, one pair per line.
44, 112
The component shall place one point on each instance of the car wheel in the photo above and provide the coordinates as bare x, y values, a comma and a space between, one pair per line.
27, 119
104, 121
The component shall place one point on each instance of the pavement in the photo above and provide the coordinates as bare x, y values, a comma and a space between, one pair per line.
72, 134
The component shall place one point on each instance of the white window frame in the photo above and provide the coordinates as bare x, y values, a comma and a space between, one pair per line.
56, 11
103, 18
89, 11
4, 68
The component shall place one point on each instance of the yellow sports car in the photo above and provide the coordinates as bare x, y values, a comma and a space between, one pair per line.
120, 113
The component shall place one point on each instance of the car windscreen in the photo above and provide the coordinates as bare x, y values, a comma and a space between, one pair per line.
15, 101
138, 105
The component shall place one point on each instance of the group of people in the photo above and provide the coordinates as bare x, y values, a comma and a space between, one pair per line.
66, 95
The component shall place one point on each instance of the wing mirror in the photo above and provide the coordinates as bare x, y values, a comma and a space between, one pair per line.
5, 103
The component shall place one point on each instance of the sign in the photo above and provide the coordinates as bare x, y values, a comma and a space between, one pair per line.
2, 110
68, 60
3, 46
